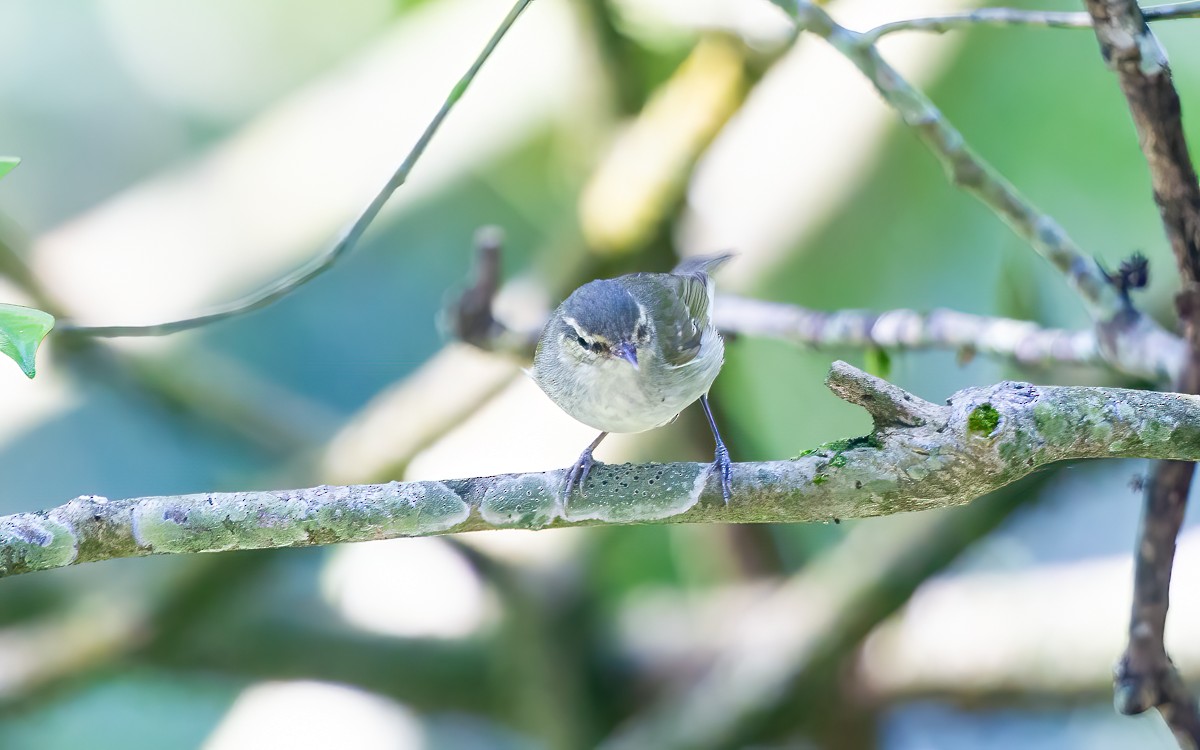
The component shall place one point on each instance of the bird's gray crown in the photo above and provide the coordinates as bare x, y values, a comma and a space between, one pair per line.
603, 309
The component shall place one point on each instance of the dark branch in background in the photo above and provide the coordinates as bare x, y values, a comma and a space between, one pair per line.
341, 246
1132, 274
1146, 677
470, 318
1021, 17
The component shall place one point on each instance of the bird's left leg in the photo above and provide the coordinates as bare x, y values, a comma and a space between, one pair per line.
722, 462
578, 473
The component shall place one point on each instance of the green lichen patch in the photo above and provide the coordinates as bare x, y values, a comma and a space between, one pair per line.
31, 541
529, 501
983, 419
843, 445
102, 527
384, 511
835, 451
627, 494
320, 515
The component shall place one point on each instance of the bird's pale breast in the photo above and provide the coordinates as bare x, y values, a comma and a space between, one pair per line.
612, 396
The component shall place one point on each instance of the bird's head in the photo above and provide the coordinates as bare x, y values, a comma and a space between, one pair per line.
602, 321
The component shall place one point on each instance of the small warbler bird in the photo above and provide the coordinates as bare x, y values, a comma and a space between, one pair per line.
628, 354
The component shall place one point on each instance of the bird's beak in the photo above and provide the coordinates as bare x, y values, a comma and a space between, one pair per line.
627, 352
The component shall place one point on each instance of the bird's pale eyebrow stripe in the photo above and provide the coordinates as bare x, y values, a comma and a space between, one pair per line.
578, 328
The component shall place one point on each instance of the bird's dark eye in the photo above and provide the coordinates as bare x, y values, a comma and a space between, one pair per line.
642, 331
589, 344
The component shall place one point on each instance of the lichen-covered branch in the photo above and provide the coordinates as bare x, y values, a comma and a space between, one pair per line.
1122, 332
1146, 677
1133, 345
921, 456
1018, 341
1021, 17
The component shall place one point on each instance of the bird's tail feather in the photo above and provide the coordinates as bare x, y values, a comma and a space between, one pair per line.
701, 264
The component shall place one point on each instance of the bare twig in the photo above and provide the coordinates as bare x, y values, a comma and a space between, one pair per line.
964, 167
341, 246
1135, 346
986, 438
1122, 332
471, 319
1021, 17
1157, 358
889, 405
1146, 677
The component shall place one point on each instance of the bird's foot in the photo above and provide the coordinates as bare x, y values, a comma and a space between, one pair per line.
578, 473
724, 466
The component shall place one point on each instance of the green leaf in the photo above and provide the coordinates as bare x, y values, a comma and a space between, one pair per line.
8, 164
21, 332
878, 362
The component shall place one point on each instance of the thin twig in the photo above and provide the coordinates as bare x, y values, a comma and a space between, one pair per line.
1018, 341
1020, 17
1153, 354
985, 438
1123, 333
345, 241
964, 167
1145, 676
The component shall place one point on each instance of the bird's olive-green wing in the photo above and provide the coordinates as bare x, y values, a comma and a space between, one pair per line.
680, 304
693, 283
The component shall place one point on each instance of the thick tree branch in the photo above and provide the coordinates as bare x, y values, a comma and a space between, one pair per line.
1146, 677
985, 438
1021, 17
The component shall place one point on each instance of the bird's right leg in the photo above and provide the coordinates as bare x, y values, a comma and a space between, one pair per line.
578, 473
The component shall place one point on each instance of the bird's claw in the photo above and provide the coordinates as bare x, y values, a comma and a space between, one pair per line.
578, 473
725, 467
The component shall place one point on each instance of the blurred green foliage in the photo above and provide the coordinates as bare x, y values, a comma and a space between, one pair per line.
1038, 104
8, 164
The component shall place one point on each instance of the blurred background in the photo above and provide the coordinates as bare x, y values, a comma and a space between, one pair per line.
179, 154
